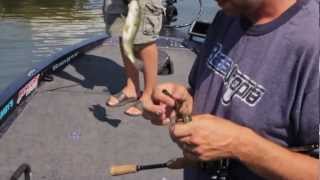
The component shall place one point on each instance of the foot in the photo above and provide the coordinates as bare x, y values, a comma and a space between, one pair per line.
120, 99
137, 108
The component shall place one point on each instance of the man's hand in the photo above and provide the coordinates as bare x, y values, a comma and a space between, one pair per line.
166, 103
207, 137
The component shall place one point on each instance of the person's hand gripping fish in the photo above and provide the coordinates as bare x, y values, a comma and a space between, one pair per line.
130, 30
175, 103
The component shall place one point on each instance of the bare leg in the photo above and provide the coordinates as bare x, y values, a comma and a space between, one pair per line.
149, 55
132, 88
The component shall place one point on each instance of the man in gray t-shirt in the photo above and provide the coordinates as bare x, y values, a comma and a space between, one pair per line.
255, 92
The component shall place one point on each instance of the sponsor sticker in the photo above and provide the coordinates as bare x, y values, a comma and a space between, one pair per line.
6, 109
64, 61
28, 88
32, 72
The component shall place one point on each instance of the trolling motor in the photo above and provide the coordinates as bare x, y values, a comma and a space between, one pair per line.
171, 12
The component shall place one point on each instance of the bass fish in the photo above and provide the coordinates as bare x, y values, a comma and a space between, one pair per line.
130, 30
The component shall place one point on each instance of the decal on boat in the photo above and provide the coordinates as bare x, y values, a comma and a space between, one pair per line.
6, 109
32, 72
28, 88
64, 61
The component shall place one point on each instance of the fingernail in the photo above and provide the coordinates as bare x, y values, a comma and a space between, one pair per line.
166, 121
176, 95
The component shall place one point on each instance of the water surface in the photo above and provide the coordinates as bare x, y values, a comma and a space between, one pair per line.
32, 30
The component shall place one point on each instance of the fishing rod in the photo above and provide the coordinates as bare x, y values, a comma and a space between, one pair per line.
181, 163
176, 163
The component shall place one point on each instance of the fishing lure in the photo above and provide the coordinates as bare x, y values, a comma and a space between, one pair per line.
185, 118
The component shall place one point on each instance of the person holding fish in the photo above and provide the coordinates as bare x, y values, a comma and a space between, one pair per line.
139, 33
253, 96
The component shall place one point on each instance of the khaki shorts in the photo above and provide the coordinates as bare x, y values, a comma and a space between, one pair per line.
150, 25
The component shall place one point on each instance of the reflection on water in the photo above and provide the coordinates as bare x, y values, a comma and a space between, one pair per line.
51, 25
34, 29
31, 30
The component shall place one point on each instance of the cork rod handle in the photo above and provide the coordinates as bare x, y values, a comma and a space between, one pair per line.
123, 169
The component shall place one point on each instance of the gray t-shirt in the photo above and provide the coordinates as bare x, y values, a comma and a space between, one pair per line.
264, 77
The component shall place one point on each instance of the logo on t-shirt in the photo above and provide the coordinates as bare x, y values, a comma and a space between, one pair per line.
238, 84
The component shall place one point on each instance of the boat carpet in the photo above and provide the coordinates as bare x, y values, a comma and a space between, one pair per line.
66, 132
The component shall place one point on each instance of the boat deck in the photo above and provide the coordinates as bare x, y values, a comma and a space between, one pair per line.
66, 132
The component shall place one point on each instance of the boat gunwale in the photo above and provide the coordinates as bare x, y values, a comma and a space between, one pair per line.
17, 92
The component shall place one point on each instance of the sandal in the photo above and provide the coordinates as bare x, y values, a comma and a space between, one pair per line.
122, 99
137, 105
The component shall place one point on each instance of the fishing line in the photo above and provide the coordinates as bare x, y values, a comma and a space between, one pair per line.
197, 17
